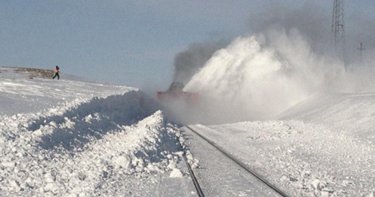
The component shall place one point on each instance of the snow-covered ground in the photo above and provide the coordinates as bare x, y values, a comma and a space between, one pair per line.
75, 138
324, 146
20, 94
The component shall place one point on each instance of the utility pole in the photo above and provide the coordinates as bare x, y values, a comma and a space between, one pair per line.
338, 34
361, 49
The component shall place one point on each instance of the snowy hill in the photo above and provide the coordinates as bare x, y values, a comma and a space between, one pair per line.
76, 138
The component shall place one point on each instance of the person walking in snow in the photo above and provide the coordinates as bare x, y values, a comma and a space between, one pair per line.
57, 73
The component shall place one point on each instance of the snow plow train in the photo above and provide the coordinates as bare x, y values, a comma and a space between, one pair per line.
175, 94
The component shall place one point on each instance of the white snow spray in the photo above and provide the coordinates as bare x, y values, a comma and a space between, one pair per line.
259, 76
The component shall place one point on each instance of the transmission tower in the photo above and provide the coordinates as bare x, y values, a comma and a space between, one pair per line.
338, 23
338, 30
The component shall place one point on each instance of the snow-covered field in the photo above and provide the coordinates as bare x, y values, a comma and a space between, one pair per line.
75, 138
324, 146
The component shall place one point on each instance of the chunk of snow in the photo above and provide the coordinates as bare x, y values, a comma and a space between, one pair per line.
176, 173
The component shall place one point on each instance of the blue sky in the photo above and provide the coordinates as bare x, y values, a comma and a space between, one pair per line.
128, 42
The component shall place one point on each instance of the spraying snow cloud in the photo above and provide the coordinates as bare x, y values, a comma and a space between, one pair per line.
286, 57
259, 76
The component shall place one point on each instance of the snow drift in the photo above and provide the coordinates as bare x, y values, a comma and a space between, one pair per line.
95, 140
78, 150
353, 114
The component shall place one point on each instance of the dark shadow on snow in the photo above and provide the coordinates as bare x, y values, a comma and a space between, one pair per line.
107, 114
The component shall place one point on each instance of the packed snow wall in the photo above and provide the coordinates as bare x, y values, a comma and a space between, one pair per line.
259, 76
103, 145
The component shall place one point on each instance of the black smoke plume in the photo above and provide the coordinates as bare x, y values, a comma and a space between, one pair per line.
188, 62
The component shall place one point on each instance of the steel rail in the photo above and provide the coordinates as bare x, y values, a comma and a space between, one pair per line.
240, 163
191, 173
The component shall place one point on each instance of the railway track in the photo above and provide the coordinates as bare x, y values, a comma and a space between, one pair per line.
234, 160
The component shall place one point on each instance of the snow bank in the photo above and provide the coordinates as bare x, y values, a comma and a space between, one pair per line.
76, 138
87, 146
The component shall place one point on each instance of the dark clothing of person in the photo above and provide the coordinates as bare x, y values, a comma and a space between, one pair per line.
57, 73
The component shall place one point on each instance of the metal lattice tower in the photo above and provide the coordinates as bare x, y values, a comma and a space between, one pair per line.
338, 23
338, 30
